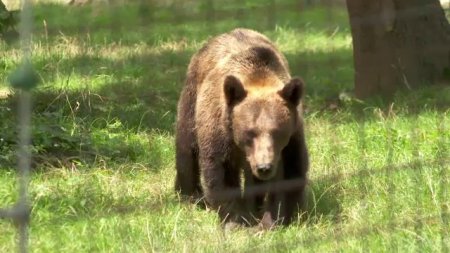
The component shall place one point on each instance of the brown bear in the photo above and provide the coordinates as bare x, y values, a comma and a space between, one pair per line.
240, 114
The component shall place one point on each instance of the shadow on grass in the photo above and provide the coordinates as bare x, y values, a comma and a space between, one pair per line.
188, 19
92, 122
145, 88
322, 201
139, 92
145, 99
143, 95
88, 205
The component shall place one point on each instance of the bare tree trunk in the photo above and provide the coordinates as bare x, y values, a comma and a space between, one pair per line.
398, 44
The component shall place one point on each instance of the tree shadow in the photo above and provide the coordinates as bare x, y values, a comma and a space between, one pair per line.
144, 100
73, 124
188, 19
145, 88
87, 205
140, 90
329, 80
143, 96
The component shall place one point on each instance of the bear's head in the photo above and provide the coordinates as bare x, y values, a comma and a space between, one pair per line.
263, 118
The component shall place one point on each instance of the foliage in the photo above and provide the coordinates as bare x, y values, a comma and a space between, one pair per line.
103, 136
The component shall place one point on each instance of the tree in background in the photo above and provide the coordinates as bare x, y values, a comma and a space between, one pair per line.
398, 44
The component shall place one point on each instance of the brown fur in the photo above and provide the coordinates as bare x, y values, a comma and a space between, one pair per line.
240, 109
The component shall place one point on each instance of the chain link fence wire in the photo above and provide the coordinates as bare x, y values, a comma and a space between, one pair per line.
23, 79
214, 12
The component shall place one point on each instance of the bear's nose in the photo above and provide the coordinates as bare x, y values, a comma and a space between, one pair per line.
264, 168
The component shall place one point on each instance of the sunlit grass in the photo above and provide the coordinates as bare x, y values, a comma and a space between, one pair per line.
103, 139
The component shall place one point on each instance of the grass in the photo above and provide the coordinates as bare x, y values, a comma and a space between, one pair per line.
103, 123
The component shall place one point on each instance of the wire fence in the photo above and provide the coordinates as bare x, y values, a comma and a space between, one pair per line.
25, 80
212, 13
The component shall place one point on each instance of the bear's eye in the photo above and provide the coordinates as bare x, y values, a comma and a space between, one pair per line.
249, 135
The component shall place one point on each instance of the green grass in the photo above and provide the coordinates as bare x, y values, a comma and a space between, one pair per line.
103, 123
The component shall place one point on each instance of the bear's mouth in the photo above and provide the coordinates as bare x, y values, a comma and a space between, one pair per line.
265, 172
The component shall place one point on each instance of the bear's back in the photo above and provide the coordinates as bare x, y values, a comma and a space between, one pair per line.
240, 51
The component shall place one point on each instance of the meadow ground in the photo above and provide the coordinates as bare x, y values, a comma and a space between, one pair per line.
103, 122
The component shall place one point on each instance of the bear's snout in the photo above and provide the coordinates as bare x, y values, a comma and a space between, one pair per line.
264, 170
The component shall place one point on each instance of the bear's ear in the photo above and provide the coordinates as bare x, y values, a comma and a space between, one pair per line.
292, 92
234, 90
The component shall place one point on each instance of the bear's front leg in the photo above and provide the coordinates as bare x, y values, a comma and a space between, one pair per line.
221, 193
295, 162
275, 204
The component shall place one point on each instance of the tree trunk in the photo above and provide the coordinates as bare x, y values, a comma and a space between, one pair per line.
398, 44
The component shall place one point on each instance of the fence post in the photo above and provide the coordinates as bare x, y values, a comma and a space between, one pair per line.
23, 79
